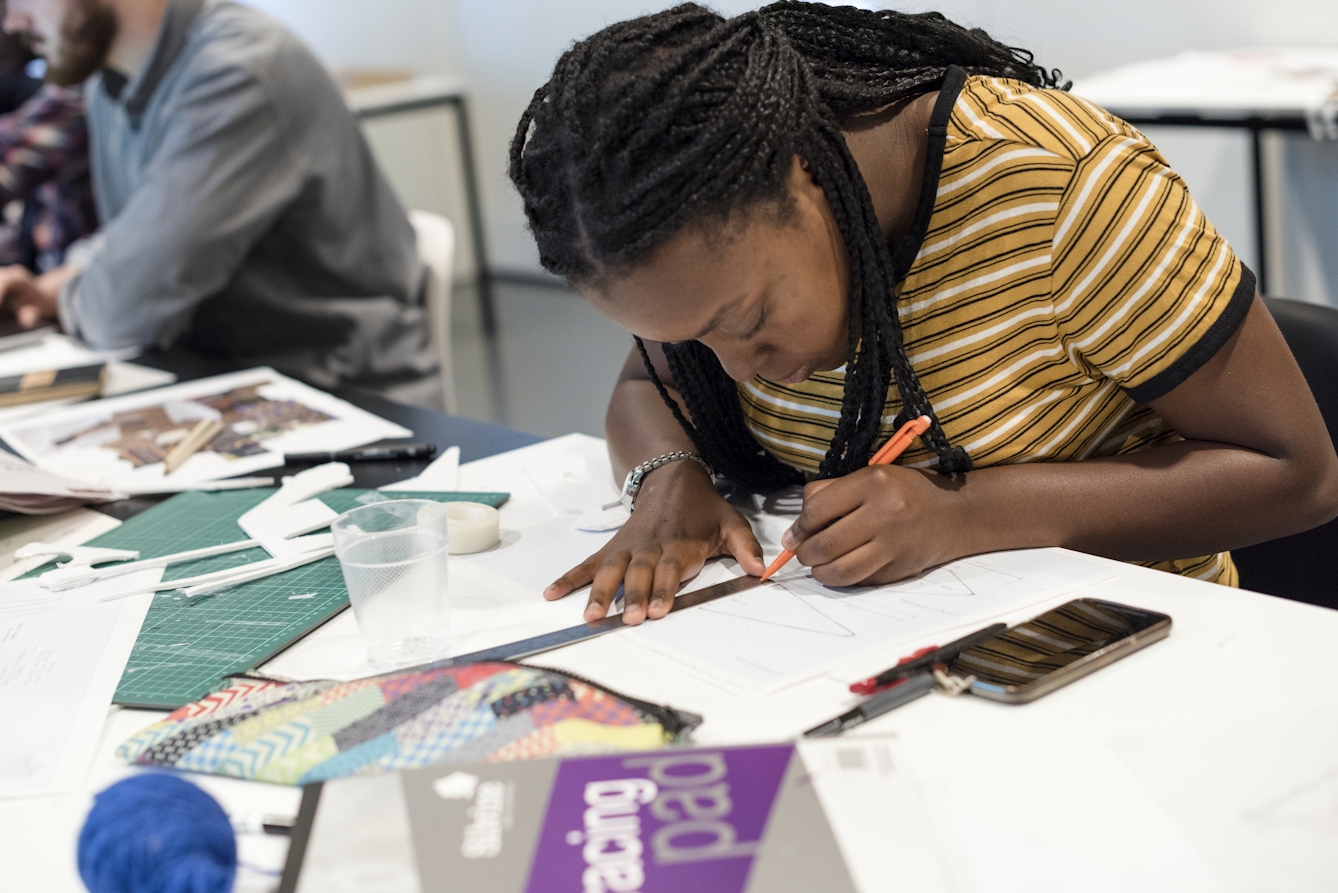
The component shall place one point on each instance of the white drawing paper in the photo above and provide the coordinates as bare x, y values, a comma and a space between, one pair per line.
572, 485
441, 475
30, 490
781, 633
61, 657
793, 629
539, 553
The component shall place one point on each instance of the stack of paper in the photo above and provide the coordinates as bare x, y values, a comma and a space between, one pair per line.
35, 352
28, 490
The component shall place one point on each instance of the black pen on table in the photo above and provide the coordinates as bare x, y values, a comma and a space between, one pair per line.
903, 692
925, 658
368, 453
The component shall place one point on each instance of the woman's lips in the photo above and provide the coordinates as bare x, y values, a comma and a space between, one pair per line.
802, 373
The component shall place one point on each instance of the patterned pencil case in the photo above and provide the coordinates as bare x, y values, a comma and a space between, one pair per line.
302, 732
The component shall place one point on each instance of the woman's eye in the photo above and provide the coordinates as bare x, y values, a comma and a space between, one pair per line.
757, 327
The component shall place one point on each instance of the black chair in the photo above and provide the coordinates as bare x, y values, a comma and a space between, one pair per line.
1303, 567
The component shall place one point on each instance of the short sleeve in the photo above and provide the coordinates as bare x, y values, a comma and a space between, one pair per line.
1145, 289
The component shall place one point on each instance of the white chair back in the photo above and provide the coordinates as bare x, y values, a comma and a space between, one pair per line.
436, 249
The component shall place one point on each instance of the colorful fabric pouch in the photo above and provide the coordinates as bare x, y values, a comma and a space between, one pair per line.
302, 732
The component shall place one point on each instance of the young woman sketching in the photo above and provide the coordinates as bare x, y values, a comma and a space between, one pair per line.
819, 222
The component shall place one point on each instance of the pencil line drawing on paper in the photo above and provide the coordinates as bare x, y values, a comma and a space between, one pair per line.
786, 607
780, 633
960, 578
27, 606
23, 620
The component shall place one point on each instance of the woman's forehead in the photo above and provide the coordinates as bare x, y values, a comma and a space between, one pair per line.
677, 293
709, 274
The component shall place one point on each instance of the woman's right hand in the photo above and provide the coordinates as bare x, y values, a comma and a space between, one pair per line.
680, 521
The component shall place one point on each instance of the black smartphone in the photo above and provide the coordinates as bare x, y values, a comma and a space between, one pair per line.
1047, 652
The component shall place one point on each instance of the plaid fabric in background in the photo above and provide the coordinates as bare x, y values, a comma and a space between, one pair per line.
298, 733
44, 165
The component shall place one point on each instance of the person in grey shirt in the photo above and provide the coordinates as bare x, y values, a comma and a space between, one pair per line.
242, 213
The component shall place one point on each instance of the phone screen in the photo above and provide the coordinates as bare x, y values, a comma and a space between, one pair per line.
1052, 641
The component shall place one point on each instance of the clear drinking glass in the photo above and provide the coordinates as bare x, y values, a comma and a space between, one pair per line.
393, 555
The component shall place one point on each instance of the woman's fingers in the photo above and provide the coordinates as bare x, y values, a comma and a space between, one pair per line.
574, 579
823, 505
864, 564
650, 564
741, 542
607, 580
837, 540
668, 577
637, 583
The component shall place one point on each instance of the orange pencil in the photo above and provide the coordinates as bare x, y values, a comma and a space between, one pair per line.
885, 456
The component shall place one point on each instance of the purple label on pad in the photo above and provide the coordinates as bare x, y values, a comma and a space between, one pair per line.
672, 820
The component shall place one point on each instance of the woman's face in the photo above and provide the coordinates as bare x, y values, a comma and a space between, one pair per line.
768, 297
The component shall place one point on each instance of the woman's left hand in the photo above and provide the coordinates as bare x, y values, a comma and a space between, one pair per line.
879, 524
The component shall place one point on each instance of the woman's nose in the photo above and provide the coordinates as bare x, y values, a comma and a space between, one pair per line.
740, 361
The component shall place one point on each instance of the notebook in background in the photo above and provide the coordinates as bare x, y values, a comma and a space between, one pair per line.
841, 816
13, 335
44, 350
40, 385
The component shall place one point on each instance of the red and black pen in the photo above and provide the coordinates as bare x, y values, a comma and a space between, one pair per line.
925, 658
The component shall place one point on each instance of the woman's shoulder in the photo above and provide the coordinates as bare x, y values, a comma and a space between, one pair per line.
990, 110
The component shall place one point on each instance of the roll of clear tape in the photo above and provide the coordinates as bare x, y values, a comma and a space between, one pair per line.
472, 527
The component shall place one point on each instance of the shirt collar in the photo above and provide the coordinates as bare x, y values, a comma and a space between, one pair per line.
173, 33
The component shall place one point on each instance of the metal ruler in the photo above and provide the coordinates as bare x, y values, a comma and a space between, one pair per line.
571, 635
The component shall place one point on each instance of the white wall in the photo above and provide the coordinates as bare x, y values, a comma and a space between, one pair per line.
410, 34
508, 47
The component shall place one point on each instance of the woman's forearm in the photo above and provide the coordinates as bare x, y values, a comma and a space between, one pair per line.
639, 426
1176, 501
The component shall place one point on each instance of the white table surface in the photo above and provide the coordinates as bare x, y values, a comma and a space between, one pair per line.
1266, 82
1208, 761
369, 99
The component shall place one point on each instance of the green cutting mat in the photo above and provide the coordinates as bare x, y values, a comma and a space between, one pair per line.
185, 648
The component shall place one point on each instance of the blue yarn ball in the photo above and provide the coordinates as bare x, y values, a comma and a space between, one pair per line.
156, 833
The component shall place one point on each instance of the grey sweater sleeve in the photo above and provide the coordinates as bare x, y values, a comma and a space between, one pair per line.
220, 178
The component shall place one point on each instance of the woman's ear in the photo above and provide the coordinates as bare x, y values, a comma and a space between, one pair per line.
801, 178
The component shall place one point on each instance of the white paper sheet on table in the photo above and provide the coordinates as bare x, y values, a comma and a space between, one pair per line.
51, 352
30, 490
774, 636
539, 553
571, 484
771, 637
505, 472
68, 440
61, 657
441, 475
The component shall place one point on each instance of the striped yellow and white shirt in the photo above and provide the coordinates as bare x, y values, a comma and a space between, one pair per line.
1058, 279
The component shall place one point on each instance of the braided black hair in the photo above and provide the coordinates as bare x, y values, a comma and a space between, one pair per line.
686, 118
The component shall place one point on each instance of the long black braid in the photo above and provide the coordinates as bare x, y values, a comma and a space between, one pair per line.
686, 118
